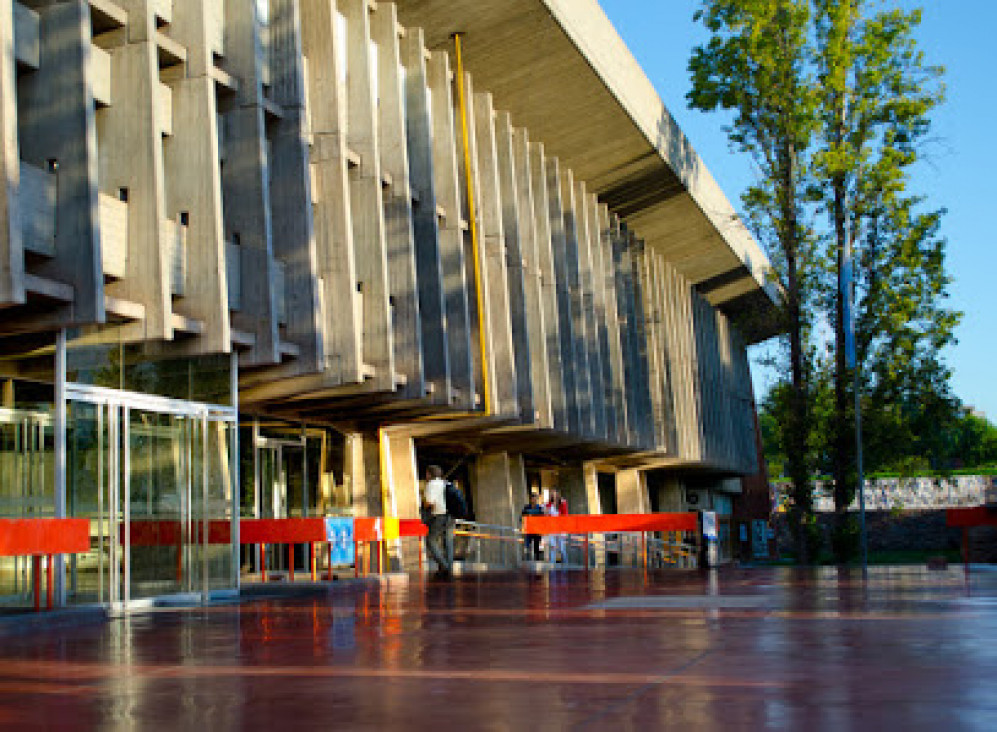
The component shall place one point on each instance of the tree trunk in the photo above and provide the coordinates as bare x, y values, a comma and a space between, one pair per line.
797, 447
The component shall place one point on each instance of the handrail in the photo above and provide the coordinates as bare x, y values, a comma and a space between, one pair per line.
646, 550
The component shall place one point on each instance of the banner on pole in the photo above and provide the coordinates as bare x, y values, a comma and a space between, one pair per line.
847, 299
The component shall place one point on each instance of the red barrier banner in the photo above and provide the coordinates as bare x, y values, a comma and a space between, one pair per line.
41, 536
610, 523
281, 531
267, 531
373, 529
169, 533
969, 517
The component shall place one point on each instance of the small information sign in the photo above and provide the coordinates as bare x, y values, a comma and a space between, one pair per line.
710, 525
339, 534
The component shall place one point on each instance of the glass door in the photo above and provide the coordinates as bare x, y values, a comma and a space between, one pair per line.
154, 478
161, 457
92, 485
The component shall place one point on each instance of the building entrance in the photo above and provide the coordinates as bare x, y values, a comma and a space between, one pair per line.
153, 475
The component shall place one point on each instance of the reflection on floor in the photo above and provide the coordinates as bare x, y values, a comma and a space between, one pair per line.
750, 648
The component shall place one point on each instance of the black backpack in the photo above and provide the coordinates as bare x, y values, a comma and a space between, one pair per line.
456, 505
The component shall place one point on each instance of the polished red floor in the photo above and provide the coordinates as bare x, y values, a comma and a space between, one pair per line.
744, 649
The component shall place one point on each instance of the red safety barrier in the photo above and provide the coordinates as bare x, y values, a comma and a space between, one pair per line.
969, 517
43, 537
373, 529
260, 532
610, 523
966, 519
312, 531
169, 533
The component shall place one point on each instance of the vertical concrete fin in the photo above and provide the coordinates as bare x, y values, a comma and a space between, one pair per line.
573, 221
515, 235
329, 159
532, 279
130, 138
366, 199
58, 135
588, 233
565, 322
245, 180
290, 191
11, 244
428, 239
397, 200
446, 181
495, 278
548, 286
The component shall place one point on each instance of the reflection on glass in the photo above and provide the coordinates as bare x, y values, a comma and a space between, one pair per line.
27, 485
98, 357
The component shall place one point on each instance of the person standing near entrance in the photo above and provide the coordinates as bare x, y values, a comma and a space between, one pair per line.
533, 508
439, 540
557, 506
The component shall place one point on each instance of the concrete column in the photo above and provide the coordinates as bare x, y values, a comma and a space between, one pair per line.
670, 499
577, 485
500, 492
398, 460
11, 247
361, 472
631, 492
590, 477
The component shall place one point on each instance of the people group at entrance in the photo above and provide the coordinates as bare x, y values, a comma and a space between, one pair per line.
556, 544
443, 504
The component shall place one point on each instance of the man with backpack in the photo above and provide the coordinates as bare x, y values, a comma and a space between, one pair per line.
442, 503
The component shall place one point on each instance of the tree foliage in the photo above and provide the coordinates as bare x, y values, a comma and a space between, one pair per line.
832, 99
757, 65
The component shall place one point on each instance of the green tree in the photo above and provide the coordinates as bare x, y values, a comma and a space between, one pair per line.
875, 98
757, 64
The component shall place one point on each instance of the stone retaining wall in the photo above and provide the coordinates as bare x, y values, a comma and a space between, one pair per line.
914, 530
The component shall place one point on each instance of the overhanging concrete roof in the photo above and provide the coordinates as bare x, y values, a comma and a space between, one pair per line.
562, 71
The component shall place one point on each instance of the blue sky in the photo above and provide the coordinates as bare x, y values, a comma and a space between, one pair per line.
957, 173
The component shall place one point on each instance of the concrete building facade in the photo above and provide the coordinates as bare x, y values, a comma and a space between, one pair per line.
273, 257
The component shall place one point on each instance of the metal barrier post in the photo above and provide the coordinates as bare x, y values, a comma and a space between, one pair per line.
290, 562
643, 549
329, 548
314, 567
36, 576
48, 588
356, 560
263, 562
586, 552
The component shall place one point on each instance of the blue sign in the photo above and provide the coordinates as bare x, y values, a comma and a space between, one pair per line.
710, 525
339, 534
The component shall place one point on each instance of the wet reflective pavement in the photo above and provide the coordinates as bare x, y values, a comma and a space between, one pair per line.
738, 649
